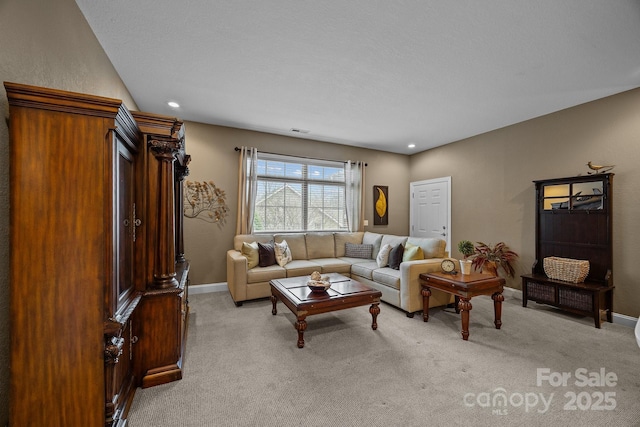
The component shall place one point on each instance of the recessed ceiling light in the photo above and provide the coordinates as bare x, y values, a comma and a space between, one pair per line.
411, 145
173, 104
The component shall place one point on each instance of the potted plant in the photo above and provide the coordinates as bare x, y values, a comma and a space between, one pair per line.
466, 248
490, 258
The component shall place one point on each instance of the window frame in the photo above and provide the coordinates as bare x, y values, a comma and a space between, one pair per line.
304, 182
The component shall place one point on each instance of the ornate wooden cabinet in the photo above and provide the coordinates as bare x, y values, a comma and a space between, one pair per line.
92, 255
164, 307
573, 220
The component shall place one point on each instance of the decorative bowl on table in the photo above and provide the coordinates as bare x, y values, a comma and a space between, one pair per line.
317, 283
318, 286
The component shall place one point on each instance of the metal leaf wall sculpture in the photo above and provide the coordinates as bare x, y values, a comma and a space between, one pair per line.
205, 201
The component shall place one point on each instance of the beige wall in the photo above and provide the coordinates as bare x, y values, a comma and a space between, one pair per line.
214, 159
50, 44
492, 174
44, 43
491, 179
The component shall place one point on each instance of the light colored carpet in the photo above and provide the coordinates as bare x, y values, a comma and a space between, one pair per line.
243, 369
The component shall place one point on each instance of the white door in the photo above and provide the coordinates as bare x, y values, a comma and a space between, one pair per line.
430, 212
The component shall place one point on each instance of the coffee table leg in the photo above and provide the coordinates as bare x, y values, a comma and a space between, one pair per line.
274, 300
465, 307
301, 326
497, 308
374, 310
426, 293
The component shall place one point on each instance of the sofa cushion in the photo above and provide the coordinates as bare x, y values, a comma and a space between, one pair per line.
355, 260
333, 265
395, 256
432, 248
320, 245
342, 238
372, 239
250, 251
358, 251
297, 244
383, 256
267, 254
265, 274
283, 254
412, 252
301, 267
388, 277
393, 240
364, 269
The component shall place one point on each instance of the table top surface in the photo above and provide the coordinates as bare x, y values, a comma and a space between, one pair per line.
466, 285
296, 290
462, 279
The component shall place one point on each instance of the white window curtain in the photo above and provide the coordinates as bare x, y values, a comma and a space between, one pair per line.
247, 186
354, 176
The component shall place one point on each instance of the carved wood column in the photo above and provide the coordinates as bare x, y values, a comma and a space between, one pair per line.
164, 269
182, 171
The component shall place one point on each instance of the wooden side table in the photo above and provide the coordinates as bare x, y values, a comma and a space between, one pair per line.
464, 287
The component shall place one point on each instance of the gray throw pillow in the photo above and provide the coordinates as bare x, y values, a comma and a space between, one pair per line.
353, 250
395, 257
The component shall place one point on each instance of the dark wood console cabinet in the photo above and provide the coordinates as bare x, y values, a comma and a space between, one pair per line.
573, 220
98, 293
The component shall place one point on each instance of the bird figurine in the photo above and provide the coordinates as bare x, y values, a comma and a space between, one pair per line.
599, 168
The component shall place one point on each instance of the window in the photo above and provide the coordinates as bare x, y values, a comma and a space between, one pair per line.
298, 194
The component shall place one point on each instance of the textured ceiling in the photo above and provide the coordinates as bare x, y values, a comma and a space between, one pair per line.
378, 74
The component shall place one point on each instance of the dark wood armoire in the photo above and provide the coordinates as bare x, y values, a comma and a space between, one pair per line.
98, 278
574, 217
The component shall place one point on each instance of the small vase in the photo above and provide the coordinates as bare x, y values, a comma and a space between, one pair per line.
465, 266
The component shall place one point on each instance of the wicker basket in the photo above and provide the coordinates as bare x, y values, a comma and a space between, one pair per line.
566, 269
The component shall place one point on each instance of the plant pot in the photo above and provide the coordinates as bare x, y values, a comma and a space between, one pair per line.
490, 267
465, 266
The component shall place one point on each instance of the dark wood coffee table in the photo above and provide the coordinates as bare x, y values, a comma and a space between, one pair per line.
464, 287
344, 293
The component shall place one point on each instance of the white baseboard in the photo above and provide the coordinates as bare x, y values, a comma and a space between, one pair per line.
208, 287
620, 319
624, 320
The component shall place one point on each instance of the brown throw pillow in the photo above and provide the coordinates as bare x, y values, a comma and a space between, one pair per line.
395, 257
267, 254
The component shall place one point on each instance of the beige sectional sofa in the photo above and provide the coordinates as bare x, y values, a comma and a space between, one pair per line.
327, 253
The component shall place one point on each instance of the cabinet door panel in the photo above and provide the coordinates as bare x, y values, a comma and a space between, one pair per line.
125, 224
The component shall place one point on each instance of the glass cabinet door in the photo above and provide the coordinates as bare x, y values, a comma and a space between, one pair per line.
573, 196
556, 196
587, 195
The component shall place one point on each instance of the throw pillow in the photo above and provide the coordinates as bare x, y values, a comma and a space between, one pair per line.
266, 254
283, 253
412, 252
383, 256
250, 251
395, 257
357, 251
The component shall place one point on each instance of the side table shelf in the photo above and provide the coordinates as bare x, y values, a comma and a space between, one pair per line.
587, 299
